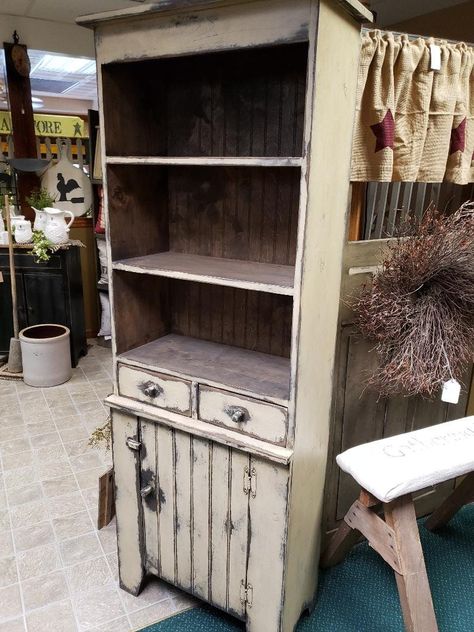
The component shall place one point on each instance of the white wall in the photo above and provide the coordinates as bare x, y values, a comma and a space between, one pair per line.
55, 37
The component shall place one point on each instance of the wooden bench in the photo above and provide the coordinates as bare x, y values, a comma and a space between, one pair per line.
389, 471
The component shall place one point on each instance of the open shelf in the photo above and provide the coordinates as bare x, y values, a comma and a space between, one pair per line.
264, 277
290, 161
228, 366
229, 103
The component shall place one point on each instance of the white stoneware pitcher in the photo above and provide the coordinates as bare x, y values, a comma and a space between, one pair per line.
40, 218
57, 230
23, 232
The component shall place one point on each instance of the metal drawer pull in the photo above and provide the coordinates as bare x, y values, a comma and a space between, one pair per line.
237, 414
146, 491
151, 389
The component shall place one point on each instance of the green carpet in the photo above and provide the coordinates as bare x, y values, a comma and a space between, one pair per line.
360, 595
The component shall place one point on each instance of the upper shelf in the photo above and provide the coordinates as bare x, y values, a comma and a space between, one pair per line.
206, 162
250, 275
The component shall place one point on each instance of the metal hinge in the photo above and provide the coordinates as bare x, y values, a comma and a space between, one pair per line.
250, 481
133, 444
246, 593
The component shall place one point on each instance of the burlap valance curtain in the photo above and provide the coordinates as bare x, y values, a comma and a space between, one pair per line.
412, 123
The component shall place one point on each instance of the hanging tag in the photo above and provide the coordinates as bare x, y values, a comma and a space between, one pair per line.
451, 392
435, 51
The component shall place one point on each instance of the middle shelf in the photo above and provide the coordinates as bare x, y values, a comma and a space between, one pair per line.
264, 277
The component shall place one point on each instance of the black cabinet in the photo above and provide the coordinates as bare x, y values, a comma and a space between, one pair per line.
47, 293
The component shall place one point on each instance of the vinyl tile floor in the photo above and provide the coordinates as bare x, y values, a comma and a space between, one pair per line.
58, 572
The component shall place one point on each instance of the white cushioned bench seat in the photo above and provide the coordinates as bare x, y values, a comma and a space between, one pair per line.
406, 463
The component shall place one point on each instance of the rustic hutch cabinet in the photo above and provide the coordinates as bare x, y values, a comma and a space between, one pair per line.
227, 137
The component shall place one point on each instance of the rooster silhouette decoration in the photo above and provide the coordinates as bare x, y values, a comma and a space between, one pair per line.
66, 187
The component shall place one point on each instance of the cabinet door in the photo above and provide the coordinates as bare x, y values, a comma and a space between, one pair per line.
6, 322
267, 544
195, 514
45, 298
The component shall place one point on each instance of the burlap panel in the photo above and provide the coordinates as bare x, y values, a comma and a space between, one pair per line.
432, 110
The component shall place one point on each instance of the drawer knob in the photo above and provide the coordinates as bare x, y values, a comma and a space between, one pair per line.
150, 389
238, 415
146, 491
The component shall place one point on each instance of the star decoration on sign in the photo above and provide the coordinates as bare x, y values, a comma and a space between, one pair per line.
384, 132
458, 138
77, 129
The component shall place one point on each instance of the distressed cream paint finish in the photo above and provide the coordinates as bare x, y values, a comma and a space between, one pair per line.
333, 105
129, 533
234, 517
260, 420
175, 394
238, 25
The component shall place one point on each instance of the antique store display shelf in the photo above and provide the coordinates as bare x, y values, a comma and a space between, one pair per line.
226, 225
250, 275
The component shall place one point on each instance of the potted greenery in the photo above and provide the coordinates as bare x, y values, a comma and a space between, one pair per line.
39, 200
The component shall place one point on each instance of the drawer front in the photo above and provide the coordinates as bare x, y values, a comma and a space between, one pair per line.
250, 416
157, 389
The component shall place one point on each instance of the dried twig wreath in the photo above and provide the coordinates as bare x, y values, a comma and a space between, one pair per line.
419, 309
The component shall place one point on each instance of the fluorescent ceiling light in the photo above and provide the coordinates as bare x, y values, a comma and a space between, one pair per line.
61, 64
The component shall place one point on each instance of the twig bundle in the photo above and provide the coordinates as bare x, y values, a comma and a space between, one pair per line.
419, 310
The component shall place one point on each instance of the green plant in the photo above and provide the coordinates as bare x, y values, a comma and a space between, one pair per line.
42, 248
40, 198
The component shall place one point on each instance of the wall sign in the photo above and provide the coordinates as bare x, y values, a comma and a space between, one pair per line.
50, 125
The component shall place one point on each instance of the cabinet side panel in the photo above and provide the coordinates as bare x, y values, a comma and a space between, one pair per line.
267, 545
333, 106
166, 501
127, 506
200, 517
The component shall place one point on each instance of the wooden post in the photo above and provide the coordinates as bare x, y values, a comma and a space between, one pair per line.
23, 127
11, 257
412, 582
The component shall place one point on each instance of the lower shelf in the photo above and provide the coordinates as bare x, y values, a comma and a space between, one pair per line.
258, 373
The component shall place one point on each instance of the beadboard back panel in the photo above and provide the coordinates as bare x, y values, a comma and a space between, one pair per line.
245, 213
148, 307
235, 103
235, 212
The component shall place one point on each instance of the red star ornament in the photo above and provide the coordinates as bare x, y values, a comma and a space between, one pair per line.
384, 132
458, 138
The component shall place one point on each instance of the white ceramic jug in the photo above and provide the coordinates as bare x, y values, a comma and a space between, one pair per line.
40, 218
23, 232
56, 229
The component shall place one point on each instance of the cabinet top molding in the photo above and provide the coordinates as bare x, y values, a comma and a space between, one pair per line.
354, 7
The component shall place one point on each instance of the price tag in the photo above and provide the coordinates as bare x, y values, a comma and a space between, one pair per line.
435, 51
451, 392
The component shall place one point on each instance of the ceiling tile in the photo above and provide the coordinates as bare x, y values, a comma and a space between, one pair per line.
69, 10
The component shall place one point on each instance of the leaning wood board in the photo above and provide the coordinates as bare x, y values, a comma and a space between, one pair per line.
226, 230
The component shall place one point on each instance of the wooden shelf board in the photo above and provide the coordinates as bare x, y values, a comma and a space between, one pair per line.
250, 275
290, 161
251, 372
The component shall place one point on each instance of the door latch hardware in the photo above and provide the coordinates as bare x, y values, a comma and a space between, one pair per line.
133, 444
146, 491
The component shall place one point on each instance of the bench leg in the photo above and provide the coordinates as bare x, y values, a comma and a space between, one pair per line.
339, 545
463, 494
412, 582
342, 541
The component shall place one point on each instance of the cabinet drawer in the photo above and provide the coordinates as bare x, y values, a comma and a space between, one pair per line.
250, 416
160, 390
